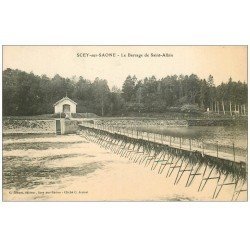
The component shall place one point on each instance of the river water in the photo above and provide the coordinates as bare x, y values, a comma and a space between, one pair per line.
224, 135
69, 167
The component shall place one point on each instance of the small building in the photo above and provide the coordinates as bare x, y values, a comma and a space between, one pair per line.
65, 105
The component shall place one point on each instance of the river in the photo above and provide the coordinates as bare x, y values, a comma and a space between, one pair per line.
68, 167
225, 135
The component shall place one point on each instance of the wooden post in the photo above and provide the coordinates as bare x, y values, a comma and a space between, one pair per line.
180, 142
170, 141
230, 107
190, 145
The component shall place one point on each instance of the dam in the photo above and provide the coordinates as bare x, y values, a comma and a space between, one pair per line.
185, 159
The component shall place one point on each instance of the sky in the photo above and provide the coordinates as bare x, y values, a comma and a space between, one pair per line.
220, 61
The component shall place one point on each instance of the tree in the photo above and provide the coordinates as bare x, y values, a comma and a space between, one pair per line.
116, 103
115, 89
28, 94
128, 88
101, 95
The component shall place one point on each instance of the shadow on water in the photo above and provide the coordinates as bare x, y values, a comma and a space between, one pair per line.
40, 145
19, 136
19, 172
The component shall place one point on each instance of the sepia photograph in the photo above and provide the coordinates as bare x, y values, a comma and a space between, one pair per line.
124, 123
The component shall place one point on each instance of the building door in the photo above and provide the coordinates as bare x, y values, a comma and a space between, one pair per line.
58, 127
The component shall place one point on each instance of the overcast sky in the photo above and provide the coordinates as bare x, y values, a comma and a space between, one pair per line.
219, 61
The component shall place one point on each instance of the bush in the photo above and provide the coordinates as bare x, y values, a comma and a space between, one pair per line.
187, 108
190, 108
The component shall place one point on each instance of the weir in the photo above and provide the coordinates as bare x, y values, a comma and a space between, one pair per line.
185, 159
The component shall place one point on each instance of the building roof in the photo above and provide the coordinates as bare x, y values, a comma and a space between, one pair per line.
63, 99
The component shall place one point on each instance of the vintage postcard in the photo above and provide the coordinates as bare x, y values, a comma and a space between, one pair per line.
124, 123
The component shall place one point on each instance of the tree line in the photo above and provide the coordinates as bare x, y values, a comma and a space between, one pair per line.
177, 92
29, 94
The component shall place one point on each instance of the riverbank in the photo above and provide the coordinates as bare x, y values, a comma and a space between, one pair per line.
171, 121
46, 123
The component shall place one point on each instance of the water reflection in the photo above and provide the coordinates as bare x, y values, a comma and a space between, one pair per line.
224, 135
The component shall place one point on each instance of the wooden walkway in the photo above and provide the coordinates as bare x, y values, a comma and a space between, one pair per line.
177, 142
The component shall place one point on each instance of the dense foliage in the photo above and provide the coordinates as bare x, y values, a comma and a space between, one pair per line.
182, 92
29, 94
